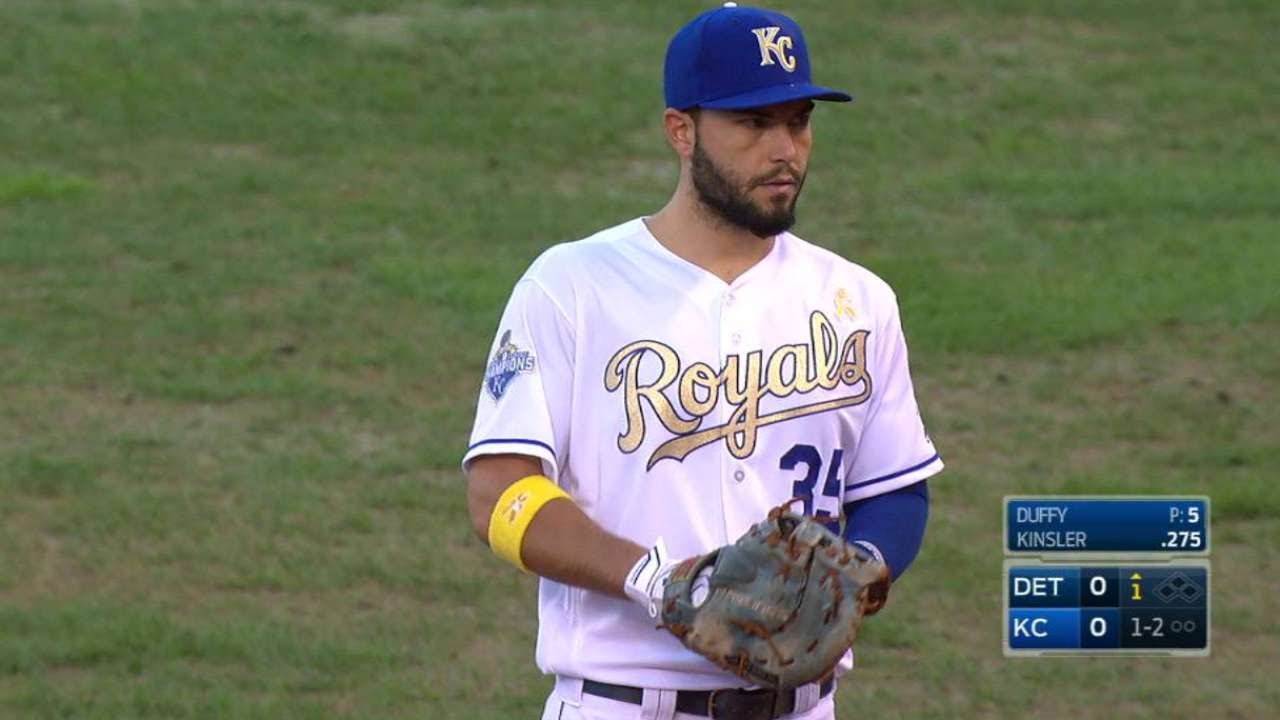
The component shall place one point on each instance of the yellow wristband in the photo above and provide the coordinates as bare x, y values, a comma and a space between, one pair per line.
515, 510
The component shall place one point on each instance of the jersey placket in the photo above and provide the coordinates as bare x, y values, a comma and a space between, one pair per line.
737, 337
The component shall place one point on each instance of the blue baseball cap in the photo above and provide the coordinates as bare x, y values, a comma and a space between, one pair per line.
736, 58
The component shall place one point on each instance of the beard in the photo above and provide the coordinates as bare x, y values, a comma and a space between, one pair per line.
728, 198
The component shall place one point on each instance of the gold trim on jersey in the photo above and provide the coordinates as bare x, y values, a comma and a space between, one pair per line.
822, 362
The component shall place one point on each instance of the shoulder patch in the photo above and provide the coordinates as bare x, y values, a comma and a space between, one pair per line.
507, 362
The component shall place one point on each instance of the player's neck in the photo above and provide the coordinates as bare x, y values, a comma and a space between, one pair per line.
695, 234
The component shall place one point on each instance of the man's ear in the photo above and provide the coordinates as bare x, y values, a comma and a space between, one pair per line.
682, 131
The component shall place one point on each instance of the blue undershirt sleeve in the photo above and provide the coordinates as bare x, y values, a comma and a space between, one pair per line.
892, 522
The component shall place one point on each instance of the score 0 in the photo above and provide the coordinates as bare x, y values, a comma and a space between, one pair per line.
1100, 586
1099, 601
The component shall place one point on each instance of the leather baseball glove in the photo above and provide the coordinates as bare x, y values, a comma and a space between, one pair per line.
780, 606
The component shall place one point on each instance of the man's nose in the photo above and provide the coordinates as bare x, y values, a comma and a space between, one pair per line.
782, 146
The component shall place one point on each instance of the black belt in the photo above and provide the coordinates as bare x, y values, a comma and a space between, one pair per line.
762, 704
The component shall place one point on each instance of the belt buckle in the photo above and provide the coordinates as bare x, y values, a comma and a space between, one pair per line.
742, 704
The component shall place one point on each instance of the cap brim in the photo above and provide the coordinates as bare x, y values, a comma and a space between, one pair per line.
774, 95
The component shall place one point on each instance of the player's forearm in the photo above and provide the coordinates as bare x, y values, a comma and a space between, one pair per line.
894, 523
565, 545
561, 543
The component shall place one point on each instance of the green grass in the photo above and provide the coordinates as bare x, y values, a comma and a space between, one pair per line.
252, 255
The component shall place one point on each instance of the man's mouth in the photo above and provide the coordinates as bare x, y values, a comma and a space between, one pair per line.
780, 184
783, 181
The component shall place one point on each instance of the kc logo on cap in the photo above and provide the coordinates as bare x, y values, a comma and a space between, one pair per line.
771, 47
737, 58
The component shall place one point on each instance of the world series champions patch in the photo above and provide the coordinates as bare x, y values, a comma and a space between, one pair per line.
508, 362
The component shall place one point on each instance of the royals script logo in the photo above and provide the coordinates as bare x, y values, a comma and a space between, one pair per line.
823, 362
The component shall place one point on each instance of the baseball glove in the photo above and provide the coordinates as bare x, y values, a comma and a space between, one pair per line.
780, 606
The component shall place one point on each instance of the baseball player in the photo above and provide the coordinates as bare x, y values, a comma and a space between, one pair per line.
658, 387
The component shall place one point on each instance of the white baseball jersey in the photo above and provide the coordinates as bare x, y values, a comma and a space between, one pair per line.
670, 403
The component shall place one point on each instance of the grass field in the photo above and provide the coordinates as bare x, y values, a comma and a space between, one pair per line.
252, 254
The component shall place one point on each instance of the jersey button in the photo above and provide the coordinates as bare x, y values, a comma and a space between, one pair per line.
736, 338
739, 476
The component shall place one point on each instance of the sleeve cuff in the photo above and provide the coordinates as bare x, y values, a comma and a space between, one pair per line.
893, 481
514, 446
871, 548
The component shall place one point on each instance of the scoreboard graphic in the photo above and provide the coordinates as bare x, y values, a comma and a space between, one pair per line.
1106, 575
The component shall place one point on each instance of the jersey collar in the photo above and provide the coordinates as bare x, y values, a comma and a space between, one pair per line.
762, 270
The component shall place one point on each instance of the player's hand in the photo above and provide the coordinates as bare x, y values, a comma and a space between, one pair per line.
646, 581
877, 593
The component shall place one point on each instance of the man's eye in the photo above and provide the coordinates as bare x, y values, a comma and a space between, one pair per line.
800, 122
758, 123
